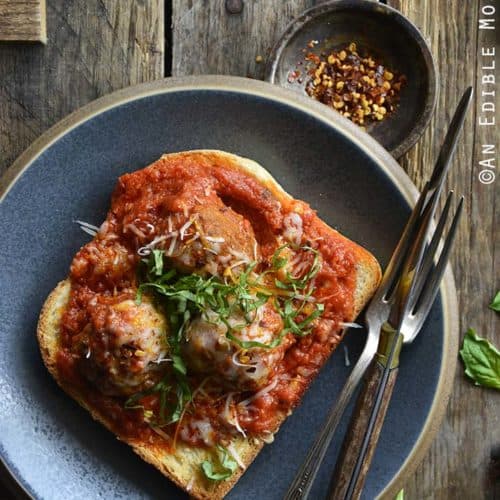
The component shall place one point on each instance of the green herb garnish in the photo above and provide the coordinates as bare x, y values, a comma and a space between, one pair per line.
223, 469
189, 295
296, 284
495, 304
172, 398
481, 360
184, 297
157, 269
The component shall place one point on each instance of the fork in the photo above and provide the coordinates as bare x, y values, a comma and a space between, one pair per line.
404, 298
408, 312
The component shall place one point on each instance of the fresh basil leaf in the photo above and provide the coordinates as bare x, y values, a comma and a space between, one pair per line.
495, 304
138, 296
167, 276
226, 466
158, 262
280, 284
176, 414
227, 461
279, 262
400, 495
315, 314
162, 387
248, 344
276, 261
481, 360
185, 296
208, 469
132, 401
178, 364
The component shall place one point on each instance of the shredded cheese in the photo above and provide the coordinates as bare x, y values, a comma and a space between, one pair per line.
346, 356
225, 413
268, 437
161, 359
214, 239
134, 229
87, 228
240, 255
293, 228
194, 238
345, 324
230, 447
184, 228
235, 360
171, 248
161, 433
232, 417
146, 249
260, 393
211, 250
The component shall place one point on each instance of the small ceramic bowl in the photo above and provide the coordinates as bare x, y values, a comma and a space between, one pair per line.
380, 31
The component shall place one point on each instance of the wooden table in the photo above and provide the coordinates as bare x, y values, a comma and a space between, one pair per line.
97, 46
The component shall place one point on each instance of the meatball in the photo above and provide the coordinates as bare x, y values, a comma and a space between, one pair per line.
225, 238
103, 264
207, 349
122, 348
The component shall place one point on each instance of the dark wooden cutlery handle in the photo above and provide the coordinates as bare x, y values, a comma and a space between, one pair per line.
349, 453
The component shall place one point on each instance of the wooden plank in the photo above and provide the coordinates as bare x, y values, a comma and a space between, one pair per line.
457, 464
23, 20
209, 40
94, 47
206, 39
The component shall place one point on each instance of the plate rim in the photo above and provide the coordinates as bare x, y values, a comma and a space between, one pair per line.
369, 146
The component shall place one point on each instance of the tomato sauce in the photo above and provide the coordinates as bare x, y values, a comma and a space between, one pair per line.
144, 204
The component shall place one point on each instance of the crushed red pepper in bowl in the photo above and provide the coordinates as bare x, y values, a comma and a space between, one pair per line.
358, 86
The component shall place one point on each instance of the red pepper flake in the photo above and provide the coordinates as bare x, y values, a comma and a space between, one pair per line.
359, 87
293, 75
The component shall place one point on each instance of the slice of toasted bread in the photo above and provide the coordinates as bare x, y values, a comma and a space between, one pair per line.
183, 466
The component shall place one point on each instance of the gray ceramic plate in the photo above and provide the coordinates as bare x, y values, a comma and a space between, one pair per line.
52, 446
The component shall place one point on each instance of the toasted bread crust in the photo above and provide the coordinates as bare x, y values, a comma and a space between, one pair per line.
183, 466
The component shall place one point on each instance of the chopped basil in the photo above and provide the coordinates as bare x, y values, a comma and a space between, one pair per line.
183, 393
185, 296
250, 344
189, 295
172, 397
277, 261
481, 360
158, 262
178, 364
291, 282
495, 304
224, 467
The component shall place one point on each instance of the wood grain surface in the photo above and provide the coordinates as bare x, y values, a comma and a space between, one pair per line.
23, 20
97, 46
93, 48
